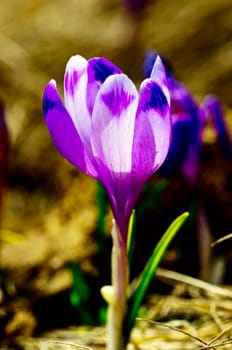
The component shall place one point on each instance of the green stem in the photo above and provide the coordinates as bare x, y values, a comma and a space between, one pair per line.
117, 306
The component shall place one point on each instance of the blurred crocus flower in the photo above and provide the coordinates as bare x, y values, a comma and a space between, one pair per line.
187, 125
4, 152
110, 131
212, 108
136, 6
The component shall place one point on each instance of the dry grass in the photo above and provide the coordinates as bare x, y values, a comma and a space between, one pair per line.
195, 316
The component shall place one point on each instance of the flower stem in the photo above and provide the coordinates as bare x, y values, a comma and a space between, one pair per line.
117, 306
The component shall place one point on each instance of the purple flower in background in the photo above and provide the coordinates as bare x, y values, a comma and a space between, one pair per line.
187, 125
110, 131
136, 6
4, 152
213, 110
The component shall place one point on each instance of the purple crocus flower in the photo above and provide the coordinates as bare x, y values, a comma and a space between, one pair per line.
136, 6
4, 152
211, 106
187, 125
110, 131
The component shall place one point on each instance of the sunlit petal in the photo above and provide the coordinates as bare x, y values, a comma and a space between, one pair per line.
113, 123
152, 130
98, 70
63, 131
75, 96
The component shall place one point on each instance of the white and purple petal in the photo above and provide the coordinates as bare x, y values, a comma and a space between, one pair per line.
64, 132
112, 140
152, 130
75, 92
98, 70
113, 123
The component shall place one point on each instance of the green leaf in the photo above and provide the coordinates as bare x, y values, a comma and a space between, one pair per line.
80, 295
130, 237
148, 274
80, 292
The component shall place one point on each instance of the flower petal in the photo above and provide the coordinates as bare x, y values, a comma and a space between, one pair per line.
63, 131
179, 148
158, 74
113, 123
75, 95
187, 129
98, 70
212, 106
152, 130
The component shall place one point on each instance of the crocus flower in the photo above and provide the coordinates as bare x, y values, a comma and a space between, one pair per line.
108, 129
213, 110
136, 6
4, 152
187, 125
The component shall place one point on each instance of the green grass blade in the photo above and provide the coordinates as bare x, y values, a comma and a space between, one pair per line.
148, 273
130, 238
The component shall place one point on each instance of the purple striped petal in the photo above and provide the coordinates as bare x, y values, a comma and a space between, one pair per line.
152, 130
63, 131
75, 92
112, 139
99, 69
113, 123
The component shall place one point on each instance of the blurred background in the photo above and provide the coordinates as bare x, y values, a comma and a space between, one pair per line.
49, 211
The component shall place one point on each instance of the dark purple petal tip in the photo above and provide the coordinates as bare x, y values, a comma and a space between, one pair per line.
51, 100
102, 68
149, 61
152, 97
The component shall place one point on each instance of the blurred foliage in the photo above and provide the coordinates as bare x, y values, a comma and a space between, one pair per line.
38, 37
